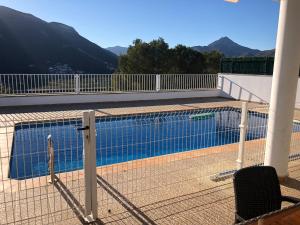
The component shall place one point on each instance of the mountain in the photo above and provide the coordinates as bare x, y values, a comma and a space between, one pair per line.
266, 53
231, 49
118, 50
31, 45
224, 45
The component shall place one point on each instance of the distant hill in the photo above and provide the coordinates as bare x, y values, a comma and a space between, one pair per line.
118, 50
224, 45
231, 49
31, 45
266, 53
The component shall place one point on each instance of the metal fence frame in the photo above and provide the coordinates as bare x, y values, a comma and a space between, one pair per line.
128, 181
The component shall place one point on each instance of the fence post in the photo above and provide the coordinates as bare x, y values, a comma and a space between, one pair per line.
51, 159
243, 131
220, 82
90, 176
77, 83
157, 82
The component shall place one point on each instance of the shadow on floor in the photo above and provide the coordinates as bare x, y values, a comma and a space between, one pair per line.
130, 207
72, 202
193, 208
213, 205
292, 183
105, 105
197, 206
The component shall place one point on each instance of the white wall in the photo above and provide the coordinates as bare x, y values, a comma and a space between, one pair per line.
120, 97
255, 88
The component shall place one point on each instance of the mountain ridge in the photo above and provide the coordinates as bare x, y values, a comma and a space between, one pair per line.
232, 49
223, 45
31, 45
118, 50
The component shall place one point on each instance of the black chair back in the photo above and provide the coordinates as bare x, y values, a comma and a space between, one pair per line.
257, 191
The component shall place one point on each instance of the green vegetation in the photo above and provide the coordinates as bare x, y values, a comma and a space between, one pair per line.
248, 65
156, 57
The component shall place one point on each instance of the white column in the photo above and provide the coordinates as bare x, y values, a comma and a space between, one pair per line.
284, 87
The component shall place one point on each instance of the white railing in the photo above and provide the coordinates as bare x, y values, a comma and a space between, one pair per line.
188, 81
60, 84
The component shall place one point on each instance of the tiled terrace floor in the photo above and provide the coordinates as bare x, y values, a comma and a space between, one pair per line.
197, 201
173, 189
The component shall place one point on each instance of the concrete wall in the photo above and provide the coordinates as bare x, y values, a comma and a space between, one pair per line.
65, 99
254, 88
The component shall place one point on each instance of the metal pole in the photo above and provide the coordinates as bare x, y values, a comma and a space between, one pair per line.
51, 159
77, 84
220, 82
243, 132
93, 165
90, 178
157, 82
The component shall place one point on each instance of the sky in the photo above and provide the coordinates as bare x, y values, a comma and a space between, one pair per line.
252, 23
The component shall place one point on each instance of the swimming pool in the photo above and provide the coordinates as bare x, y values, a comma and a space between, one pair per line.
125, 138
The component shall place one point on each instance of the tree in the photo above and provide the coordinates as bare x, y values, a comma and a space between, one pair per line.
145, 58
212, 61
185, 60
156, 57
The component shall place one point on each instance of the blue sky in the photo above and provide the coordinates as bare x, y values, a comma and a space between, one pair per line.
252, 23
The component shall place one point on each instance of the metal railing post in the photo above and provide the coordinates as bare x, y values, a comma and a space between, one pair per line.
157, 82
77, 83
243, 132
90, 175
220, 82
51, 159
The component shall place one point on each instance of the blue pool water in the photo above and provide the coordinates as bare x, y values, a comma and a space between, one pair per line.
124, 138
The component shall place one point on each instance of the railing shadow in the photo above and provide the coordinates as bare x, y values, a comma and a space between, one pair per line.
220, 200
130, 207
292, 183
241, 89
72, 202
